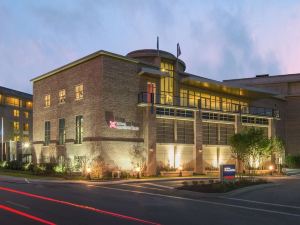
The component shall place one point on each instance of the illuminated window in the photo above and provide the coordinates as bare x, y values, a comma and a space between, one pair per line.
62, 96
47, 100
16, 138
61, 131
47, 133
183, 97
25, 138
16, 126
26, 127
12, 101
166, 83
29, 105
79, 92
16, 113
79, 130
26, 115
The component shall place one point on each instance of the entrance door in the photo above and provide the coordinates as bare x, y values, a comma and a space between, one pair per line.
151, 91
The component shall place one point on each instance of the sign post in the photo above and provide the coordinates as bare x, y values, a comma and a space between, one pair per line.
227, 172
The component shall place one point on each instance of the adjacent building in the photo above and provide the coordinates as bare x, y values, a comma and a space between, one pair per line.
109, 105
287, 88
15, 124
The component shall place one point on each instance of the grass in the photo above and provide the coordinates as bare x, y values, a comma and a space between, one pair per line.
219, 187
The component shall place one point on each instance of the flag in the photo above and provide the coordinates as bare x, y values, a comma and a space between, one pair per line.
157, 45
178, 50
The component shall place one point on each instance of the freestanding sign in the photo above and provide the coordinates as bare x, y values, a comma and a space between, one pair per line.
227, 172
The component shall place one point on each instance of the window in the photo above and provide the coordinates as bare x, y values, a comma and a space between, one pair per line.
26, 115
26, 127
61, 131
62, 96
151, 92
79, 130
183, 97
185, 132
17, 138
226, 132
166, 83
16, 126
47, 133
79, 92
47, 100
165, 111
16, 113
165, 131
29, 105
210, 133
12, 101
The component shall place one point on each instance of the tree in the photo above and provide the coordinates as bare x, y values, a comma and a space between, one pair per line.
138, 158
240, 148
252, 147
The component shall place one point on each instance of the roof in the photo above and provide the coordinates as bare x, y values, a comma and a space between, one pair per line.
282, 78
81, 60
232, 89
11, 92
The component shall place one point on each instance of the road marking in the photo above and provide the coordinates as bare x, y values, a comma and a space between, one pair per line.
100, 211
17, 204
139, 186
3, 207
204, 201
158, 185
27, 181
263, 203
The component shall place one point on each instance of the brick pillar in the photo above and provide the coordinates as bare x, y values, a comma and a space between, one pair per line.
238, 128
149, 125
198, 151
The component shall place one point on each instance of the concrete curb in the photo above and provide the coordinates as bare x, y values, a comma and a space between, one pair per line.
22, 179
250, 189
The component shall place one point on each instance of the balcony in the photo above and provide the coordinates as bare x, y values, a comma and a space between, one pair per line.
165, 99
205, 104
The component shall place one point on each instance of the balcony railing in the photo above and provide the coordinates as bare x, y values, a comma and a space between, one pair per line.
204, 104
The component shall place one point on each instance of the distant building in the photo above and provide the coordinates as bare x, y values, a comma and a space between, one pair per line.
287, 87
109, 105
16, 114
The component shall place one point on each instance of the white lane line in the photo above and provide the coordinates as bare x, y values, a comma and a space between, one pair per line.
204, 201
158, 185
262, 203
139, 186
17, 204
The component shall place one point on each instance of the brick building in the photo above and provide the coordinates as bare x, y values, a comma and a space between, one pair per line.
108, 104
16, 111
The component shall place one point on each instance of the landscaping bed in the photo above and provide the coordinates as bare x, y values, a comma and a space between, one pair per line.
218, 187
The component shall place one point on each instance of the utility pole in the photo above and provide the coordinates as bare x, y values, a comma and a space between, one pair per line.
2, 141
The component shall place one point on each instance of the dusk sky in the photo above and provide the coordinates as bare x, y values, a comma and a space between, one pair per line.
218, 39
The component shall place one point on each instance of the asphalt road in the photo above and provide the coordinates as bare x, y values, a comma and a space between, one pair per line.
26, 202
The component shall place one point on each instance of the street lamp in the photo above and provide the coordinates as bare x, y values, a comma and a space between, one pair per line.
271, 168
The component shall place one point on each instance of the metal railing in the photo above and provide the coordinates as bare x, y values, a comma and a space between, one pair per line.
169, 100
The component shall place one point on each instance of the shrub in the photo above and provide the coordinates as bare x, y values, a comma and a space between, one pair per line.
292, 161
14, 165
185, 183
195, 182
28, 167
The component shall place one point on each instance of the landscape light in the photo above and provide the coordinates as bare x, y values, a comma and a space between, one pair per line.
88, 170
138, 169
271, 167
26, 144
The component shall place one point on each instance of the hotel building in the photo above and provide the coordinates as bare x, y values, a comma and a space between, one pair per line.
16, 132
108, 104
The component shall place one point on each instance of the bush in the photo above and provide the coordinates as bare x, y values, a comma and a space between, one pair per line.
185, 183
195, 182
292, 161
14, 165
